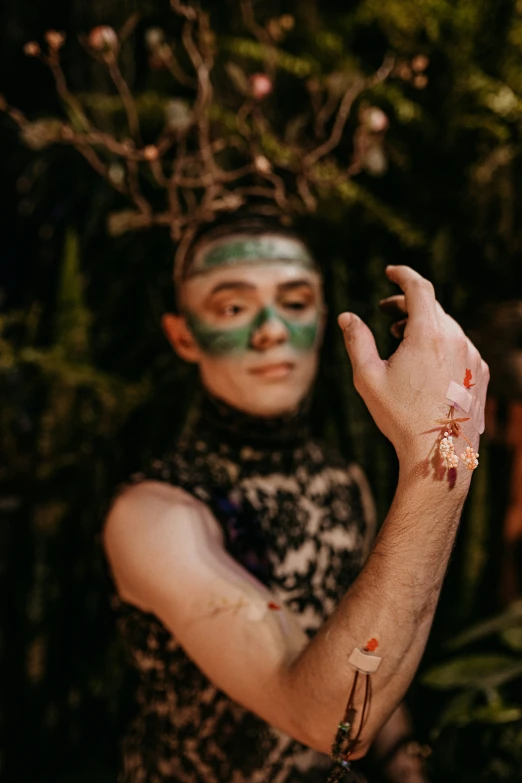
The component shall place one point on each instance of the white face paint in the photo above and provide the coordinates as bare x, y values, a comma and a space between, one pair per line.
258, 326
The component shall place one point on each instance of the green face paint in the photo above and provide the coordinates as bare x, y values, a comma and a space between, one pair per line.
246, 249
220, 342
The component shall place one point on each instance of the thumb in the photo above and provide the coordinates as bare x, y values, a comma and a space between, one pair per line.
361, 347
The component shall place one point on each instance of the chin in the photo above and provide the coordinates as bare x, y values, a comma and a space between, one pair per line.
259, 396
266, 402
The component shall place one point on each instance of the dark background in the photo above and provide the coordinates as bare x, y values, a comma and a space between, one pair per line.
89, 389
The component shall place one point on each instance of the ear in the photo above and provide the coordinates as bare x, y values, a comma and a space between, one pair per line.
180, 337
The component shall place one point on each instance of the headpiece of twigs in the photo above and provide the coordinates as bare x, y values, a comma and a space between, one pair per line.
211, 158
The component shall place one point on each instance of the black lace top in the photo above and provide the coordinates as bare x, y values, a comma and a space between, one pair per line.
295, 516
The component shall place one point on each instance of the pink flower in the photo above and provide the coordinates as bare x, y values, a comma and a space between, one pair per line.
419, 63
376, 120
55, 39
31, 49
420, 81
103, 38
262, 164
260, 85
150, 152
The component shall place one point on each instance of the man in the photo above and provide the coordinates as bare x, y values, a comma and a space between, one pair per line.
239, 558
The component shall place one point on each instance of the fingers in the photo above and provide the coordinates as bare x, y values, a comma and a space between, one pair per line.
419, 297
397, 329
360, 344
394, 306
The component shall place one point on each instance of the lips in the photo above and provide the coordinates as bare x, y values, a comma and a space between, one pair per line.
273, 370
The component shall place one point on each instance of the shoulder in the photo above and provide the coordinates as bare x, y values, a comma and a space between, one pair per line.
154, 526
151, 505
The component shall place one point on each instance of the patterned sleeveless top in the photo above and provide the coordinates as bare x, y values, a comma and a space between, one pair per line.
294, 515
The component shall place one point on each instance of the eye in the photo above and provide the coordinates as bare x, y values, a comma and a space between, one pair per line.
231, 310
296, 305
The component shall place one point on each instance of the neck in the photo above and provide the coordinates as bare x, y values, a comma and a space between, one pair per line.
233, 425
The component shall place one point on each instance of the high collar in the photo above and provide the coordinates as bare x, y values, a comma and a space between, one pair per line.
229, 425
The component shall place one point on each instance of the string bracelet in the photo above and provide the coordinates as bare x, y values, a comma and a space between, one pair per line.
365, 663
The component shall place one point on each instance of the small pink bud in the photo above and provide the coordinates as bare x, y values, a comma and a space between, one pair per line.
376, 119
55, 39
154, 37
32, 49
419, 63
261, 85
420, 81
103, 38
150, 152
262, 164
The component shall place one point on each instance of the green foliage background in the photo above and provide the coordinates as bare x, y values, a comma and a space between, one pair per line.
89, 388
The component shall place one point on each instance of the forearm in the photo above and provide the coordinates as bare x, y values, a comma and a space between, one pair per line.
393, 600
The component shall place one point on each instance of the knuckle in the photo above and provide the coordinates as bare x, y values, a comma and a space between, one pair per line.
428, 286
474, 354
423, 285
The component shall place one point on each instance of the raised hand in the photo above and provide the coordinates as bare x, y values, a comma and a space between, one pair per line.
405, 394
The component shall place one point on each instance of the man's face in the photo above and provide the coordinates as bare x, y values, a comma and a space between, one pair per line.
257, 325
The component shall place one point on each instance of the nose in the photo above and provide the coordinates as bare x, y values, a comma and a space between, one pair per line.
268, 331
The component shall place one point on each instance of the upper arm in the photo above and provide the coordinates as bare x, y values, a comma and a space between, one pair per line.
167, 556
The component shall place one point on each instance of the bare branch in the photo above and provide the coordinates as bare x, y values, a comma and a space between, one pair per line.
129, 27
98, 165
125, 95
169, 58
53, 61
134, 188
303, 188
261, 34
351, 94
184, 10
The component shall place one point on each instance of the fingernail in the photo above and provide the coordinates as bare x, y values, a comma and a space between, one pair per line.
346, 320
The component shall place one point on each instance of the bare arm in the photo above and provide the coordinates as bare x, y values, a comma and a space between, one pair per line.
168, 557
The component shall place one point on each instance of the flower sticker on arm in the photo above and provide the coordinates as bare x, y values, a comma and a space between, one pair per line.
461, 398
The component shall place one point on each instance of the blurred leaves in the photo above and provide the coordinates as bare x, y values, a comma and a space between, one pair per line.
510, 617
474, 671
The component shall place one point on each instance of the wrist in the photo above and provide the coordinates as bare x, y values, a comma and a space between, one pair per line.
424, 473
